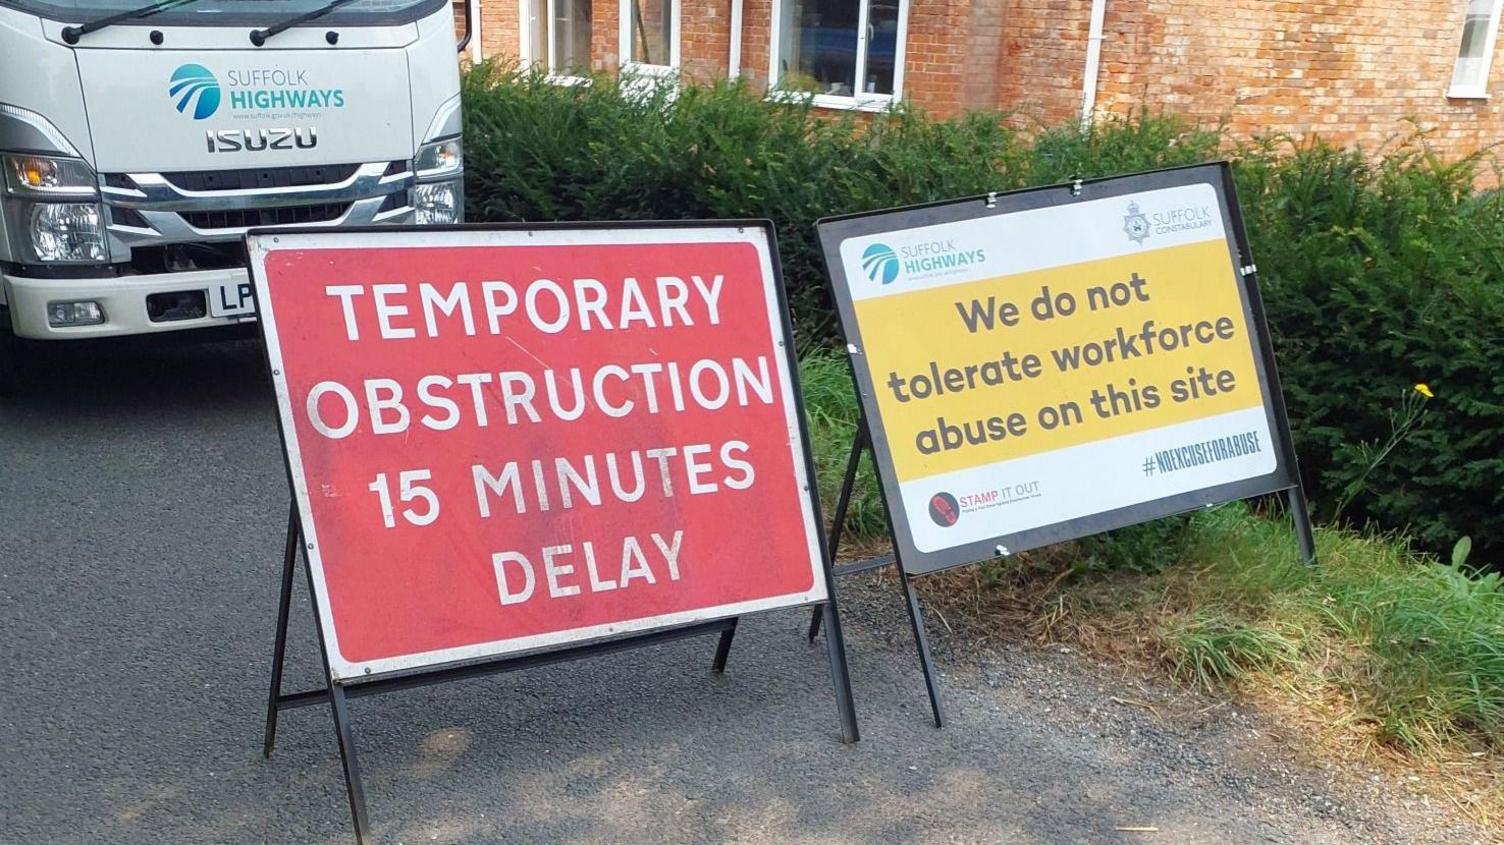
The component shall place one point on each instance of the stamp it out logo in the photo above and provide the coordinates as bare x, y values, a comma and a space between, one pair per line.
947, 509
194, 86
944, 509
1135, 224
880, 263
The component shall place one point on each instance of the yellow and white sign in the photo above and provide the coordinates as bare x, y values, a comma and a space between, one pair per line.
1031, 368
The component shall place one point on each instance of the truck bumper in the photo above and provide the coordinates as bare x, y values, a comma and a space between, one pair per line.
124, 302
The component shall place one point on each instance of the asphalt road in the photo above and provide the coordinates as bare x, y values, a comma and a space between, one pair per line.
142, 501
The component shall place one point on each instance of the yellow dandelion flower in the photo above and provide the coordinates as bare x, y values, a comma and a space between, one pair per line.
1425, 390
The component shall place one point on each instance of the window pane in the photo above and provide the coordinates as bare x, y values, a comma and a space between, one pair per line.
1474, 36
652, 31
817, 46
1472, 63
571, 36
882, 46
537, 31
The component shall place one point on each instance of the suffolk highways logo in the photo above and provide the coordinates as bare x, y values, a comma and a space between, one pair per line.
880, 263
195, 86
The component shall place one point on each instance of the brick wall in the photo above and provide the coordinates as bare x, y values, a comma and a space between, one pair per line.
1352, 71
1356, 71
757, 28
940, 53
605, 40
1043, 57
935, 60
705, 38
982, 53
498, 28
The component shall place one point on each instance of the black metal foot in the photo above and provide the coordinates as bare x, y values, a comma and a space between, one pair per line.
723, 649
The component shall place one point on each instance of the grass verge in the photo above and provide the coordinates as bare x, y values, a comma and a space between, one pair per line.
1375, 653
1415, 645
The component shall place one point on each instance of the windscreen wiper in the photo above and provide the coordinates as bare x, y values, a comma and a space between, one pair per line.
71, 34
259, 36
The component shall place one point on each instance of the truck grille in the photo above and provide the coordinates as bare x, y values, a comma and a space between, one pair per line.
281, 216
192, 208
257, 178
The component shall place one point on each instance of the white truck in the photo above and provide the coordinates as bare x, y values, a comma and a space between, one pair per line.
138, 143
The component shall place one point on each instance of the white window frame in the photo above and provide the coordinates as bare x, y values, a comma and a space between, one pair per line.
525, 52
1479, 90
860, 101
624, 18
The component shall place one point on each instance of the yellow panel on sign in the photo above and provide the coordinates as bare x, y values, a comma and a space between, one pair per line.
975, 373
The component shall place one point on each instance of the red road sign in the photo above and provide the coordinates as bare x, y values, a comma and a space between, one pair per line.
509, 439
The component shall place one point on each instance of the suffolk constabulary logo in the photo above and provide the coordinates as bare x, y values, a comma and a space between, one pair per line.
1135, 224
880, 263
194, 85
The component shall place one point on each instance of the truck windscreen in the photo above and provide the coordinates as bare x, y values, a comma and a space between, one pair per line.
235, 12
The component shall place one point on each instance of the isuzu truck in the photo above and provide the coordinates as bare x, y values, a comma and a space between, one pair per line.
139, 143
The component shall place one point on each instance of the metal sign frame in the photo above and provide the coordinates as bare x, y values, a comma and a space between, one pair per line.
340, 687
870, 435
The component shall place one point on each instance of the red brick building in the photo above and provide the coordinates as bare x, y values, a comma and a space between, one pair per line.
1356, 71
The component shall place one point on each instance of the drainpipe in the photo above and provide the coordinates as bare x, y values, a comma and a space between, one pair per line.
734, 62
1093, 61
477, 55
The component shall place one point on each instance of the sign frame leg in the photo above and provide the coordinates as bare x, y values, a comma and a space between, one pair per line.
1301, 514
349, 762
723, 648
835, 637
840, 675
334, 691
911, 600
1248, 271
860, 442
843, 504
1295, 494
922, 642
343, 730
279, 651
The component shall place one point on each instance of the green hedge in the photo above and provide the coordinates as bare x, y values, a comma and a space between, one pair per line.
541, 151
1377, 275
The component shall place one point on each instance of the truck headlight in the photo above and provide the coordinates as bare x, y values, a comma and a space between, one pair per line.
439, 159
437, 203
438, 197
66, 231
46, 176
52, 208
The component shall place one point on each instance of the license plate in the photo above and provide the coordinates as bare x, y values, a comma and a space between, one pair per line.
231, 300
